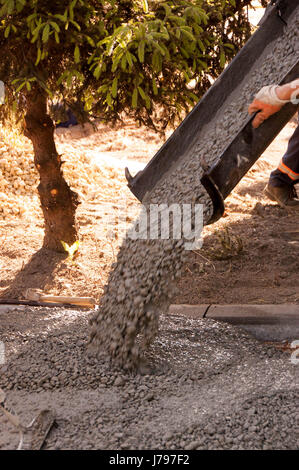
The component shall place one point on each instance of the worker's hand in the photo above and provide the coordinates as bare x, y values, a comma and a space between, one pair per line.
267, 103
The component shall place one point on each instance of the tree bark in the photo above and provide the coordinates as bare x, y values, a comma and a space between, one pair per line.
58, 201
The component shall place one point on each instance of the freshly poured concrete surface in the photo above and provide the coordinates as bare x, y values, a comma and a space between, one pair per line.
210, 386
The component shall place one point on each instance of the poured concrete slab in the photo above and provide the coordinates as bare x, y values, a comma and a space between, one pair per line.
260, 314
278, 332
265, 322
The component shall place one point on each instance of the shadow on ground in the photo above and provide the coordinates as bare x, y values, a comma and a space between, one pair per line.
38, 272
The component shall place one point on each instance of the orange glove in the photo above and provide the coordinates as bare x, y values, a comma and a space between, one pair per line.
267, 103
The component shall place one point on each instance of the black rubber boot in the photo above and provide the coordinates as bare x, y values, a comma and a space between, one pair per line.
286, 196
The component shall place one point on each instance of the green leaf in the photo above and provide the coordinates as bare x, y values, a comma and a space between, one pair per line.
155, 88
157, 61
141, 92
97, 71
39, 54
20, 5
167, 9
135, 98
77, 54
147, 102
46, 33
20, 87
7, 31
160, 49
203, 64
201, 45
10, 6
124, 62
187, 33
55, 26
31, 17
102, 89
71, 250
177, 19
69, 79
76, 24
184, 52
141, 47
71, 9
38, 27
194, 97
187, 78
229, 46
109, 99
90, 40
145, 6
35, 32
114, 87
61, 17
115, 63
129, 58
222, 58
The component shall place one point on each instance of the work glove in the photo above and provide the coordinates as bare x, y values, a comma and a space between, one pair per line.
267, 103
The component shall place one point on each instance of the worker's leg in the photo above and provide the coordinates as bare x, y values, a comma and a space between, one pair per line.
282, 180
288, 168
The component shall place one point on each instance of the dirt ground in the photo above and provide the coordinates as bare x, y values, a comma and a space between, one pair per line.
249, 256
95, 163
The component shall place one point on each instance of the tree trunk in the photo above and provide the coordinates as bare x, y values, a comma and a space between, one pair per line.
58, 201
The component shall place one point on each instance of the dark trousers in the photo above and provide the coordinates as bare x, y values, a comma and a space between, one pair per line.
72, 120
288, 168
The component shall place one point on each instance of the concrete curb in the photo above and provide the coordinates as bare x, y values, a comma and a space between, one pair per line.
191, 311
11, 308
270, 322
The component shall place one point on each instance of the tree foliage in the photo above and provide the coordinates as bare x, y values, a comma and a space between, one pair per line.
117, 57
